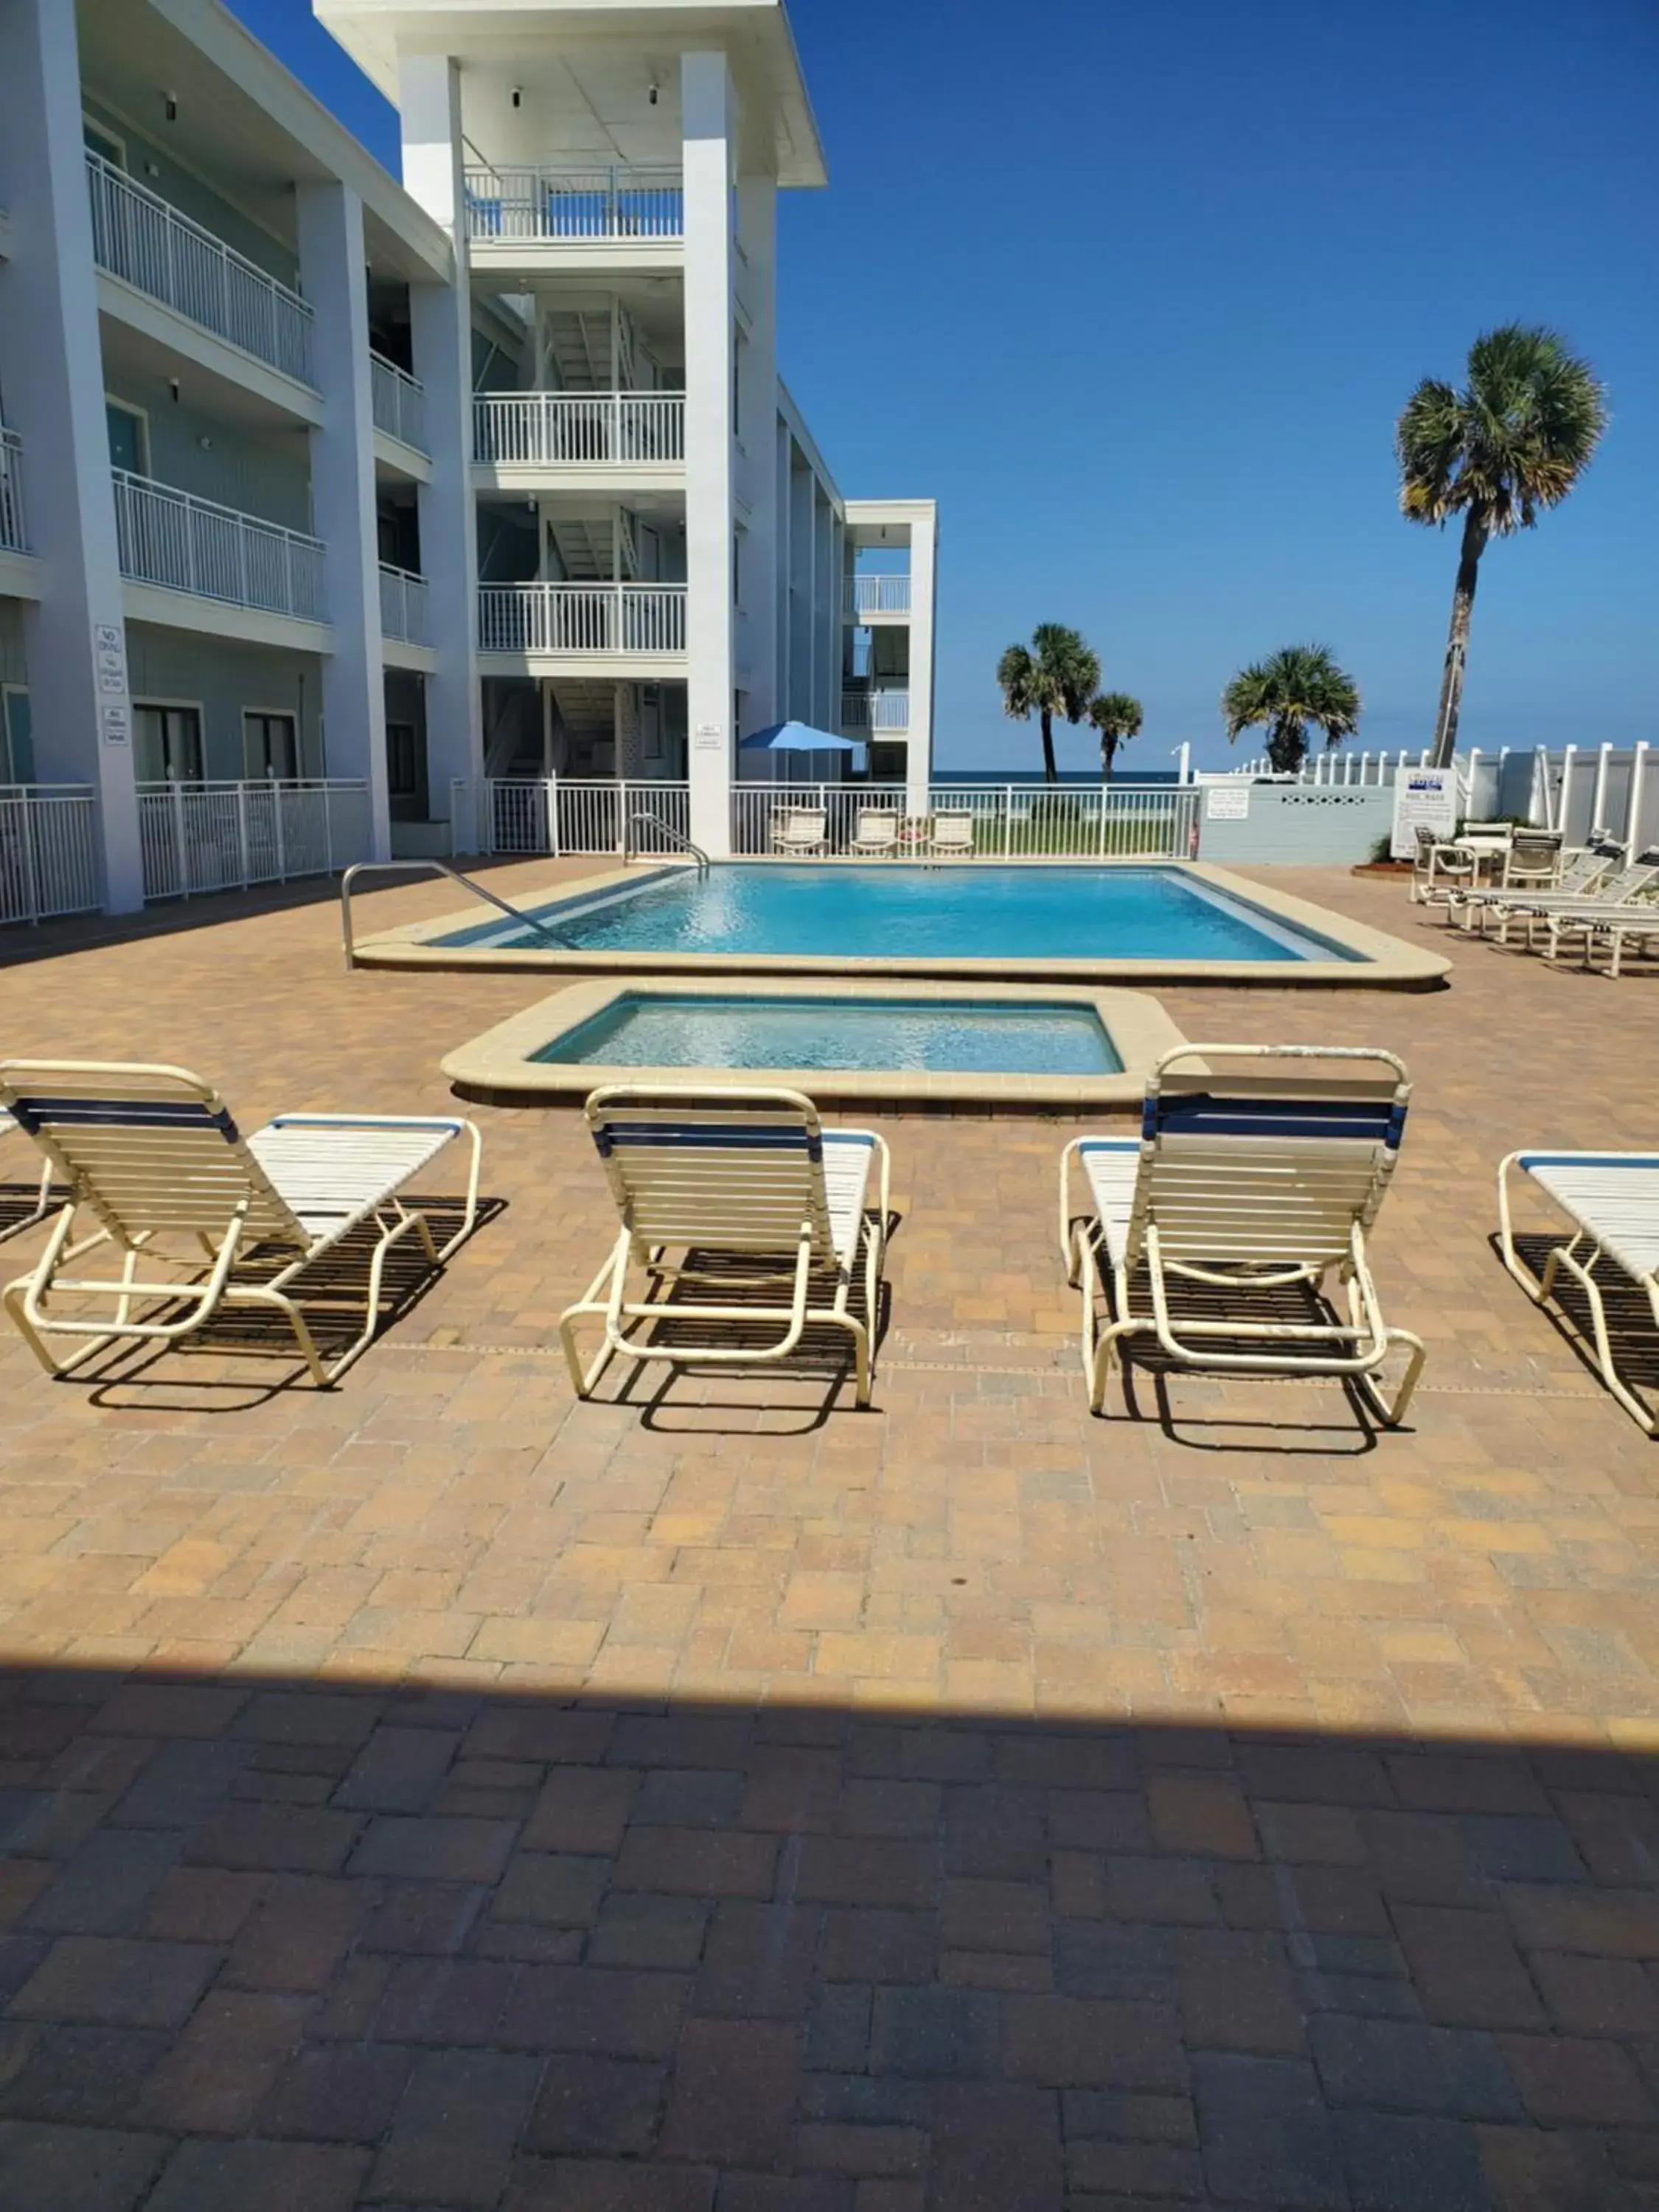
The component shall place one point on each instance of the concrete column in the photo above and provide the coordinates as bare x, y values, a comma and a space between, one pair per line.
924, 575
783, 446
75, 634
331, 263
757, 409
802, 547
441, 319
826, 615
708, 111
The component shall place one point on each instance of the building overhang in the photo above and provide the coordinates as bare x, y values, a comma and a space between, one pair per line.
167, 610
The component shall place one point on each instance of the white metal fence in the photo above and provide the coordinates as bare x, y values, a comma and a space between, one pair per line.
198, 837
189, 544
403, 605
137, 236
569, 814
13, 526
558, 429
398, 403
558, 204
581, 619
49, 851
875, 710
878, 595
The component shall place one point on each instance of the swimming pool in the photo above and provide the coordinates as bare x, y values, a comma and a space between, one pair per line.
981, 912
1000, 1036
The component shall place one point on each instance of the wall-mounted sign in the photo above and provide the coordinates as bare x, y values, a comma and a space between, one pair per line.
709, 737
1227, 802
116, 724
1424, 799
109, 647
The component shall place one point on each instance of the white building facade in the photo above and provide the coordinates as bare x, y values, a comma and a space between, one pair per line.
341, 519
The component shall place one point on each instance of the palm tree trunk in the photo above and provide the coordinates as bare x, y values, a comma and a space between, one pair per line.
1050, 772
1475, 534
1107, 747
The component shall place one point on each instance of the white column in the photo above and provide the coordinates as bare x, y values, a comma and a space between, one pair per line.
1633, 818
826, 615
440, 320
757, 413
1599, 797
75, 634
1568, 761
924, 569
708, 120
331, 263
803, 543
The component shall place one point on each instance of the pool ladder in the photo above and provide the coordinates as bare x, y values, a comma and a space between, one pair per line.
436, 867
665, 828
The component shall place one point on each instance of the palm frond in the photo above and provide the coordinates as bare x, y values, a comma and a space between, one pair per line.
1514, 441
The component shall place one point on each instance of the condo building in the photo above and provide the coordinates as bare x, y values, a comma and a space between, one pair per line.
346, 519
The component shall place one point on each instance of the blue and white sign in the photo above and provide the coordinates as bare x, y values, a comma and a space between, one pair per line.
1424, 799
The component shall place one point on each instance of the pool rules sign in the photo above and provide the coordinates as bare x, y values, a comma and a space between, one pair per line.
1424, 799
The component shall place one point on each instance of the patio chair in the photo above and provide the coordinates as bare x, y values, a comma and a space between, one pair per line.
802, 830
1257, 1179
759, 1199
1441, 868
1610, 1202
217, 1220
1534, 860
878, 833
951, 835
21, 1203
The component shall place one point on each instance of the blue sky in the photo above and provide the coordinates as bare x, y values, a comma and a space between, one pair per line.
1136, 292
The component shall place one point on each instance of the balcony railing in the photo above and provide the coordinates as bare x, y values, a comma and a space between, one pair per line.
635, 619
879, 595
875, 710
560, 430
403, 605
188, 544
137, 236
14, 529
562, 205
398, 402
199, 837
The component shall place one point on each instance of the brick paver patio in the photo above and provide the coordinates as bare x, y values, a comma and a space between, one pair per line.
436, 1793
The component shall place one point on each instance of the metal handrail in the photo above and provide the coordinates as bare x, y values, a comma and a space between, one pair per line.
434, 867
676, 836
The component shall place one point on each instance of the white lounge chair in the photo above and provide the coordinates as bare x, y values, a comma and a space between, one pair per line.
217, 1220
756, 1196
878, 833
1562, 912
801, 830
1581, 874
25, 1203
1611, 1200
1258, 1178
951, 835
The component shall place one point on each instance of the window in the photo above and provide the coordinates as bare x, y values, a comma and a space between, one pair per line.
270, 744
167, 743
104, 142
16, 736
129, 437
403, 767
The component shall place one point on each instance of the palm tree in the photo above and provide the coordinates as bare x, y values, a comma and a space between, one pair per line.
1056, 674
1117, 717
1291, 687
1515, 441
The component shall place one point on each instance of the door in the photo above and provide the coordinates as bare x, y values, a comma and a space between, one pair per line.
168, 744
271, 746
127, 441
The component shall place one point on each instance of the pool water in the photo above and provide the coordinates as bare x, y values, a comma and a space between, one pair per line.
945, 913
958, 1037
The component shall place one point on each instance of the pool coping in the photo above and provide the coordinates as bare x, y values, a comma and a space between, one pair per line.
1380, 962
496, 1069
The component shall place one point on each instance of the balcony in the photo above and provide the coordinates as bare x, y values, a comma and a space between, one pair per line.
14, 530
137, 236
617, 621
182, 544
402, 606
398, 403
878, 595
565, 206
579, 429
881, 712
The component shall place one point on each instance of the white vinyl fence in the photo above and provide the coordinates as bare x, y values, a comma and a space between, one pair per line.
200, 837
569, 814
49, 851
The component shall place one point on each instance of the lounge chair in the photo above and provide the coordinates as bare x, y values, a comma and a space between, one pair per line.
802, 830
1565, 909
1260, 1179
878, 833
22, 1203
1582, 873
1633, 927
951, 835
1611, 1200
152, 1156
756, 1197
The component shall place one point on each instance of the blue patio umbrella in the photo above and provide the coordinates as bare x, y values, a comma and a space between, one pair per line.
797, 738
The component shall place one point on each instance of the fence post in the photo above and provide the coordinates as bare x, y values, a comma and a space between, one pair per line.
1473, 800
1633, 818
31, 873
179, 837
622, 815
277, 827
328, 832
551, 794
241, 829
1599, 797
1569, 762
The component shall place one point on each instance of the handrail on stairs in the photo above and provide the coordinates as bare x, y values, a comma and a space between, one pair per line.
436, 867
667, 829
